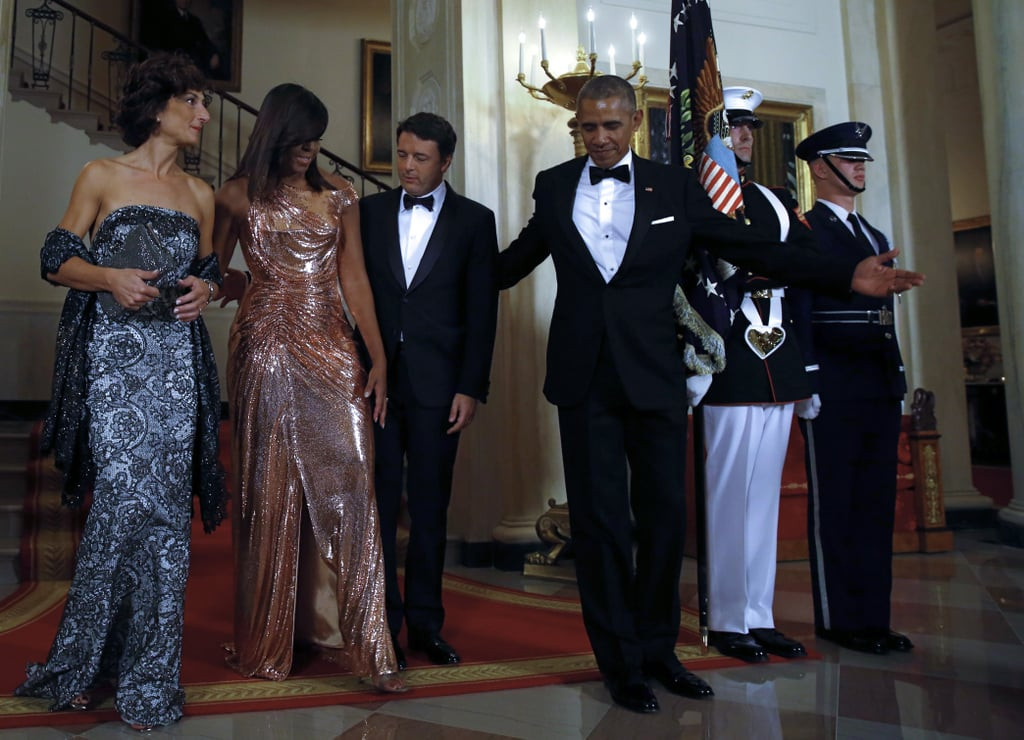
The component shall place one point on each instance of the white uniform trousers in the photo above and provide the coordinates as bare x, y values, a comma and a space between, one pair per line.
746, 450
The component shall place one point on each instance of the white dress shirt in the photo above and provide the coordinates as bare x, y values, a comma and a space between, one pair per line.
603, 214
415, 225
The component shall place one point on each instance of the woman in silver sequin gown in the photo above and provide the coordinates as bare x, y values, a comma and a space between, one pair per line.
308, 561
133, 380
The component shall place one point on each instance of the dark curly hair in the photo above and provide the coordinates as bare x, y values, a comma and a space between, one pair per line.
150, 84
290, 115
430, 127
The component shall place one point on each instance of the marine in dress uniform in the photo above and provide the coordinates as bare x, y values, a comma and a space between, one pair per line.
748, 411
852, 424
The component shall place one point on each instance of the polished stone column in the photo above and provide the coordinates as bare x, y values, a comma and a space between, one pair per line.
891, 64
998, 30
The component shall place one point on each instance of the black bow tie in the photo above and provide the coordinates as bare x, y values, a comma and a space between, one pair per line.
427, 201
619, 173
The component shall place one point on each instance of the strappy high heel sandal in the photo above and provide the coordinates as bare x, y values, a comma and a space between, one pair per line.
389, 683
81, 702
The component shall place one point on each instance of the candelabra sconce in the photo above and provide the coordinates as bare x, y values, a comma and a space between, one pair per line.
44, 26
564, 89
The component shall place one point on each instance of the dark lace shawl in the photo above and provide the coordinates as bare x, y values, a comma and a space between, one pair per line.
66, 428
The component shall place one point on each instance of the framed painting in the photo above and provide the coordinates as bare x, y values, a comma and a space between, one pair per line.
775, 161
208, 31
376, 107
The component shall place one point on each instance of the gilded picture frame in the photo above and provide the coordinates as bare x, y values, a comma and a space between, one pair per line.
209, 31
376, 152
775, 162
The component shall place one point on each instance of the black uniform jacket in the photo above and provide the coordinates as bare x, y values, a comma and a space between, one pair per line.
780, 377
851, 339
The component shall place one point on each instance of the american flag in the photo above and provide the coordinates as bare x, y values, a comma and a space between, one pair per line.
697, 125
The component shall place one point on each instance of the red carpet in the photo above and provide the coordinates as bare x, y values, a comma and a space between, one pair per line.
508, 639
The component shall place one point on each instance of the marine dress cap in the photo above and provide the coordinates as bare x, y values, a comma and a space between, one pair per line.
740, 103
846, 140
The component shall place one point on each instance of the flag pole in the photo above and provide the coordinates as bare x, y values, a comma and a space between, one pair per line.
696, 125
700, 513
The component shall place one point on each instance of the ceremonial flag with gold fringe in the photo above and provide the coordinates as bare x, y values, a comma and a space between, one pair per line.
696, 128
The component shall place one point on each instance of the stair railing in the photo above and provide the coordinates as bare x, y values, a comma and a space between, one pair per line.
103, 45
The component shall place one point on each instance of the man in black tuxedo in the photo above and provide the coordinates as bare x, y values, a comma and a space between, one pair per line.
852, 428
618, 229
430, 256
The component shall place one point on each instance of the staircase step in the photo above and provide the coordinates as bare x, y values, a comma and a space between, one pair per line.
9, 549
10, 520
109, 138
83, 120
47, 99
14, 448
12, 484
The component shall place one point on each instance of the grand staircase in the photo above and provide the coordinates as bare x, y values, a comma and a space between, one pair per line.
14, 453
73, 65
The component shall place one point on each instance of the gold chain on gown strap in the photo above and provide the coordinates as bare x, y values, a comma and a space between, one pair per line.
308, 559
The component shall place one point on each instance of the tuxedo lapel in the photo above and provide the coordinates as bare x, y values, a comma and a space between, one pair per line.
565, 200
392, 247
643, 195
439, 237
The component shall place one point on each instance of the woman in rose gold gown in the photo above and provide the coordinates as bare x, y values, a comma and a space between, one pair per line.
308, 561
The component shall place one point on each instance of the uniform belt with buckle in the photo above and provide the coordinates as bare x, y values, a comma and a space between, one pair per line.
882, 317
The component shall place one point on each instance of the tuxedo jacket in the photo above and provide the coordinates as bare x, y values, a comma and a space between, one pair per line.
780, 377
632, 313
446, 317
856, 359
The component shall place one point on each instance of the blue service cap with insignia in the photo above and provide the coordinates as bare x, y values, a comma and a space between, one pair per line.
740, 103
845, 140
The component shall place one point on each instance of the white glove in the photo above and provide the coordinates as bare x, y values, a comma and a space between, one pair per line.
696, 387
808, 408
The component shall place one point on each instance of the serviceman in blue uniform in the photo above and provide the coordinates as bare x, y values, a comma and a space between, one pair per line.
851, 425
748, 412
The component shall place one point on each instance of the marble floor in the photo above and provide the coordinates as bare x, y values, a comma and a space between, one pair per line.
964, 611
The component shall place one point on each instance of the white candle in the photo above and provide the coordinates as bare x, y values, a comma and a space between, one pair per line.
632, 35
522, 43
640, 41
611, 60
593, 38
543, 41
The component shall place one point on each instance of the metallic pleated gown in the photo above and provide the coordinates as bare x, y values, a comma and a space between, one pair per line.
308, 563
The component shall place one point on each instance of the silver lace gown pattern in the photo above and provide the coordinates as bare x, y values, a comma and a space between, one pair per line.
123, 620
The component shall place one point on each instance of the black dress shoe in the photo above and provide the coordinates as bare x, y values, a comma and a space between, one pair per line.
636, 696
862, 642
679, 681
437, 650
738, 645
893, 640
399, 655
777, 643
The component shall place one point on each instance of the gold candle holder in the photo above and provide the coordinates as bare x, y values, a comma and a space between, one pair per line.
564, 89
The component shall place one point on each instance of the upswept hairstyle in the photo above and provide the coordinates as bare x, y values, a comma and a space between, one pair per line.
289, 115
430, 127
607, 86
150, 84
